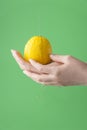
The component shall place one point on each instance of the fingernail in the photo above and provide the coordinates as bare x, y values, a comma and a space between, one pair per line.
13, 53
24, 72
12, 50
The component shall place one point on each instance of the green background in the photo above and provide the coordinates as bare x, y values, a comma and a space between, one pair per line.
24, 104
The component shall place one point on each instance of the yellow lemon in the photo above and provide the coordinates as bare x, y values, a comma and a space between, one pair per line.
38, 48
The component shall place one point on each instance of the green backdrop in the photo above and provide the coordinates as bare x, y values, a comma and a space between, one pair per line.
24, 104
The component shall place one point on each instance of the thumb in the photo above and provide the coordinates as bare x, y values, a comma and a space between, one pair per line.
58, 58
41, 68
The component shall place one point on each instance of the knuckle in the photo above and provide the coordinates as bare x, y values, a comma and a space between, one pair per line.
68, 57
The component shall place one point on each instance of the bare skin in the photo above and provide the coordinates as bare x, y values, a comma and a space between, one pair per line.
63, 71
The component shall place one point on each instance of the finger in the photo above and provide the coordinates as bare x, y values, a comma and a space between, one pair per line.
53, 64
38, 77
41, 68
24, 65
20, 60
18, 57
41, 79
59, 58
34, 75
49, 83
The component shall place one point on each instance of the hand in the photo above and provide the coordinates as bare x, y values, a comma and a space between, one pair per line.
63, 71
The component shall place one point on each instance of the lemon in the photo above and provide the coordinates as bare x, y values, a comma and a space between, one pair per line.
38, 48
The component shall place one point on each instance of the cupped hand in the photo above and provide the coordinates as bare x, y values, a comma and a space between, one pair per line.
26, 65
63, 71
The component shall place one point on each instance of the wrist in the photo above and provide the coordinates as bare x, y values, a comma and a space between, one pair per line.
84, 71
